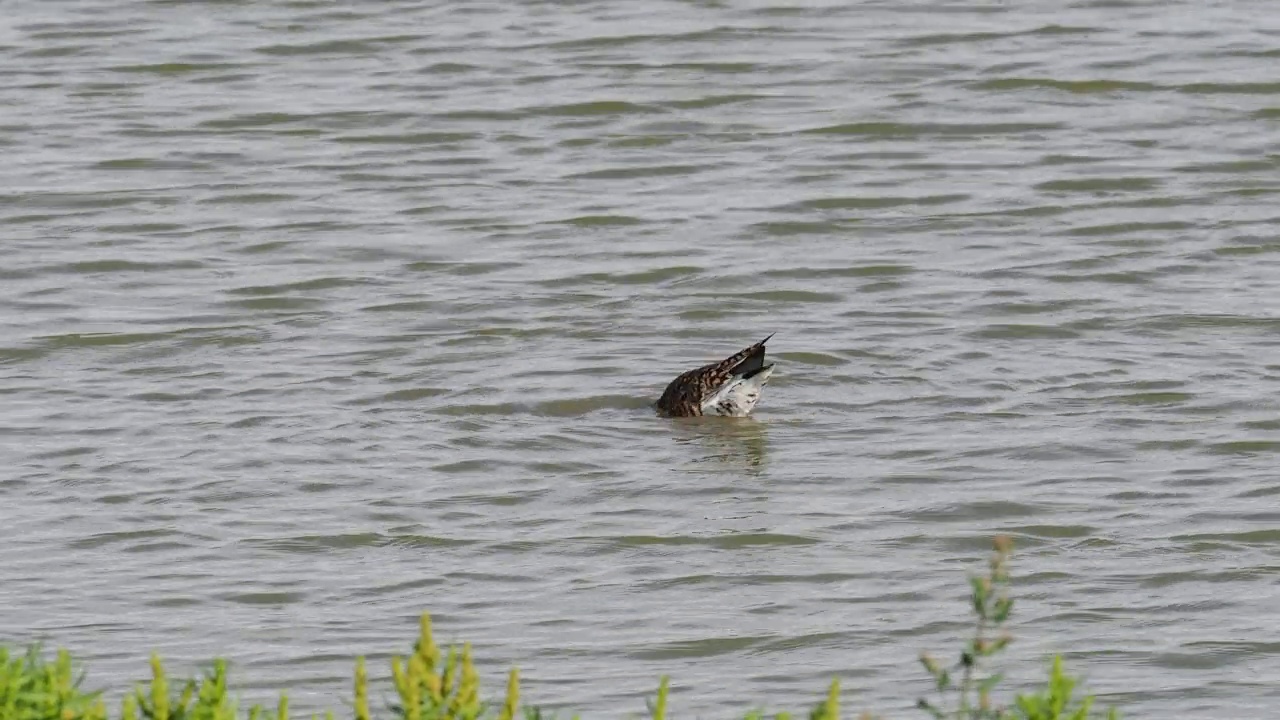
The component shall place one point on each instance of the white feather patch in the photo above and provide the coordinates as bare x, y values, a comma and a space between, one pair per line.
738, 396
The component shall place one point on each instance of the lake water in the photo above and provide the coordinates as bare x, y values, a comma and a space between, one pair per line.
314, 316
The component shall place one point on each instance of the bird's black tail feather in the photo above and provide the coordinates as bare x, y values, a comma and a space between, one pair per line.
752, 363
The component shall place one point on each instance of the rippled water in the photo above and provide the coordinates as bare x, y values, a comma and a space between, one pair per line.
315, 316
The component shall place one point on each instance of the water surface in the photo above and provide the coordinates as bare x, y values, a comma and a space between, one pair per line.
314, 317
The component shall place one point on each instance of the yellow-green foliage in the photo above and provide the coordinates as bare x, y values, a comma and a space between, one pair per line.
430, 689
33, 688
203, 699
1055, 702
431, 684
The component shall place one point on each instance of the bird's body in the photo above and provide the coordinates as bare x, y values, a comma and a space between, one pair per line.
730, 387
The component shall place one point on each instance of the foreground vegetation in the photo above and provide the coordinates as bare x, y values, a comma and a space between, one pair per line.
431, 684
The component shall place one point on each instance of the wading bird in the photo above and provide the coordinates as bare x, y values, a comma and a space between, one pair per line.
730, 387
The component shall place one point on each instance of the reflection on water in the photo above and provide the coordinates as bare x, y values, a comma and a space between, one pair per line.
736, 444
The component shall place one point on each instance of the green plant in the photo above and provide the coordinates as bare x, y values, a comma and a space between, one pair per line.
435, 684
430, 689
204, 699
30, 687
990, 601
1056, 701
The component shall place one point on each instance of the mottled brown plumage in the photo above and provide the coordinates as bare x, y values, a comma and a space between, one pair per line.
729, 387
